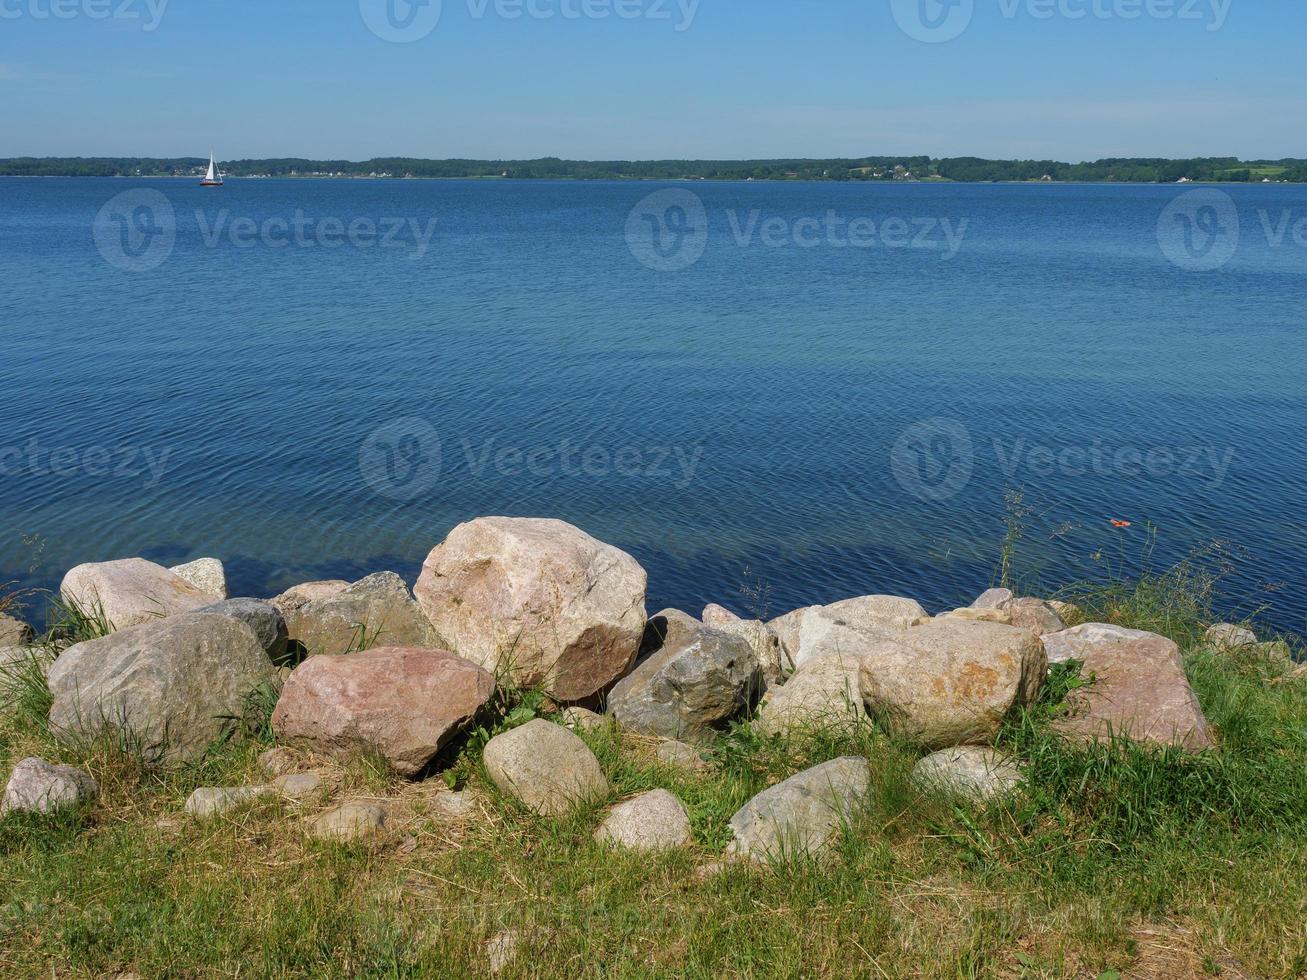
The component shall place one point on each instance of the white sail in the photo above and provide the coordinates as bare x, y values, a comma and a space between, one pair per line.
213, 173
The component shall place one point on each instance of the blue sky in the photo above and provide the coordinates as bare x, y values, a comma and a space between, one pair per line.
1068, 79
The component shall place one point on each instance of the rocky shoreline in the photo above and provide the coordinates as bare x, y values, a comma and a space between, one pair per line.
507, 605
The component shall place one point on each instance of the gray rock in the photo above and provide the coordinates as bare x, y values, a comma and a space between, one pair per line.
1035, 615
279, 761
130, 592
786, 629
297, 785
718, 616
951, 682
971, 772
1072, 644
822, 694
764, 643
546, 767
299, 596
14, 632
264, 618
213, 801
877, 612
803, 814
583, 719
173, 686
652, 821
698, 678
36, 786
681, 755
455, 806
206, 574
1227, 636
373, 612
349, 822
501, 950
993, 599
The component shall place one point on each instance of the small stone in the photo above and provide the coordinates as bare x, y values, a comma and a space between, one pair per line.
14, 632
803, 814
680, 755
279, 761
213, 801
297, 785
36, 786
970, 771
455, 806
1035, 615
206, 574
583, 720
1227, 636
502, 950
993, 599
653, 821
348, 822
546, 767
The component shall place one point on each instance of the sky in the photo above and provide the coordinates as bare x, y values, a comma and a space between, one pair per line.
644, 79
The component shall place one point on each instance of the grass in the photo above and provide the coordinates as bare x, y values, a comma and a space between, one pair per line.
1113, 861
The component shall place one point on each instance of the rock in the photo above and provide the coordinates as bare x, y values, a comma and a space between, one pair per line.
764, 643
297, 785
993, 599
698, 678
680, 755
14, 632
279, 761
803, 814
717, 616
455, 806
951, 682
876, 613
264, 618
351, 821
1139, 690
130, 592
1227, 636
15, 660
786, 629
173, 685
501, 950
583, 719
539, 598
848, 627
36, 786
299, 596
213, 801
971, 772
206, 574
403, 702
1035, 615
546, 767
1069, 611
974, 615
822, 694
653, 821
373, 612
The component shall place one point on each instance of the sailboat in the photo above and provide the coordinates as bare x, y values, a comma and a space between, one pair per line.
212, 179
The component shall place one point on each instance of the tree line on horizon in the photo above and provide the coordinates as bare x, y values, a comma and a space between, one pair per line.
963, 169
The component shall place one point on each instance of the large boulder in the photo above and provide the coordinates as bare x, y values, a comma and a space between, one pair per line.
546, 767
652, 821
36, 786
950, 681
14, 632
172, 687
264, 618
373, 612
803, 814
970, 772
129, 592
877, 612
405, 703
848, 627
822, 694
1139, 689
206, 574
786, 629
539, 598
696, 678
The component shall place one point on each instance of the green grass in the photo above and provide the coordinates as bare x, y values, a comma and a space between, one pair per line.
1150, 864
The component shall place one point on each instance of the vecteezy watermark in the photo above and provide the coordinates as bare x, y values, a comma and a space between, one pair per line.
668, 231
136, 231
148, 13
402, 460
1200, 231
120, 462
935, 460
407, 21
937, 21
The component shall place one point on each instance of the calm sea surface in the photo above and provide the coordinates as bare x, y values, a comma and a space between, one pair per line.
760, 395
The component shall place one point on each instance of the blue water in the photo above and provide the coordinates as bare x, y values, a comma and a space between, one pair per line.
329, 411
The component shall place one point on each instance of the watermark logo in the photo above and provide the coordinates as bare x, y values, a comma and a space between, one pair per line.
401, 21
147, 13
933, 459
1199, 230
668, 230
136, 230
401, 459
933, 21
120, 462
